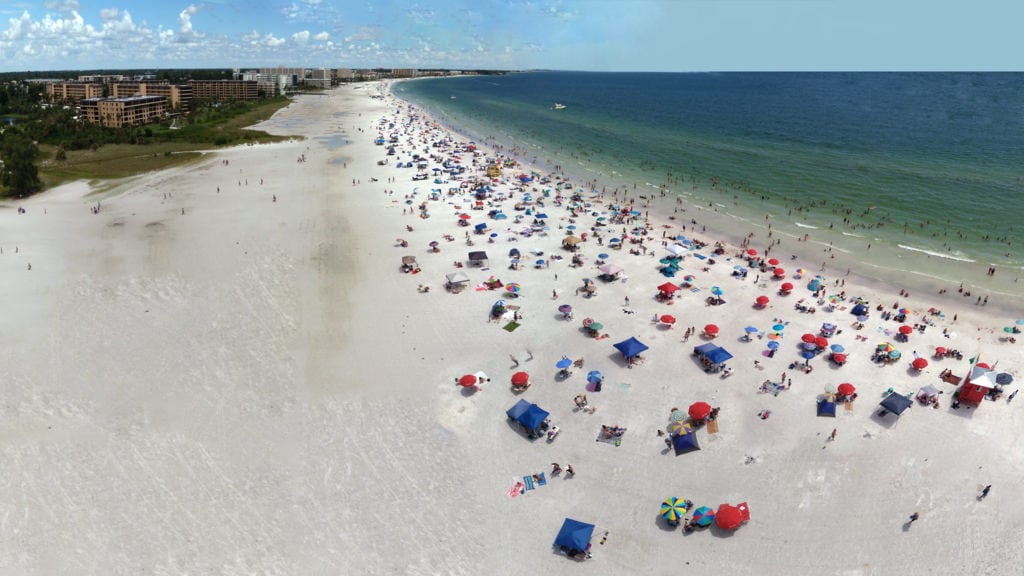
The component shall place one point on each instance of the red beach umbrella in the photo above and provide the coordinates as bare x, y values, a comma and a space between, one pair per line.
730, 517
762, 300
779, 272
668, 319
839, 358
940, 350
699, 410
905, 330
919, 363
846, 389
467, 380
773, 262
520, 379
711, 329
786, 287
808, 337
821, 342
751, 252
464, 216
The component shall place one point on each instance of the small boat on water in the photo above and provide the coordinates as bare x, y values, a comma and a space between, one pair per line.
558, 106
452, 97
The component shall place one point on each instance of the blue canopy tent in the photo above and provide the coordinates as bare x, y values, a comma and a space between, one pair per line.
826, 408
528, 415
718, 355
896, 403
630, 347
685, 443
574, 535
703, 349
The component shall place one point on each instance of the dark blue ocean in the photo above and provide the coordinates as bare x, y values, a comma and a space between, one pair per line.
925, 163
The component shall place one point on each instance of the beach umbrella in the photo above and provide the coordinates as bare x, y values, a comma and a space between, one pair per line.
565, 308
775, 336
773, 345
494, 234
750, 329
821, 342
703, 516
513, 287
762, 300
779, 272
716, 291
467, 380
809, 346
672, 509
602, 256
751, 252
895, 354
595, 326
520, 379
905, 330
464, 216
837, 348
570, 227
563, 363
830, 388
677, 427
730, 517
919, 363
940, 350
514, 253
834, 299
862, 318
711, 329
593, 377
668, 319
786, 287
699, 410
773, 261
679, 416
808, 337
689, 278
839, 358
801, 271
1004, 379
778, 327
846, 389
807, 355
433, 244
1008, 329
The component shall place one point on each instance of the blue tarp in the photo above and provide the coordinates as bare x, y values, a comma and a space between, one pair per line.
685, 443
896, 403
630, 347
826, 408
574, 535
529, 415
481, 226
718, 355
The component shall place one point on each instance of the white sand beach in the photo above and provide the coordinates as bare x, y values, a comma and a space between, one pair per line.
225, 371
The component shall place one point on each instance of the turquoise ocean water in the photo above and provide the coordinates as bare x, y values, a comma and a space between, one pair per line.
925, 167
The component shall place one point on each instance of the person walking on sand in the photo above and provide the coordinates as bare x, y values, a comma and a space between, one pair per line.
515, 361
984, 491
914, 517
569, 471
555, 468
832, 436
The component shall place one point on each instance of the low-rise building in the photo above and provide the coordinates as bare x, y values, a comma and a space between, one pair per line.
119, 112
179, 96
224, 89
73, 92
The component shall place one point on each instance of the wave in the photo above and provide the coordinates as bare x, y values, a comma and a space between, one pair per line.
936, 254
852, 235
805, 225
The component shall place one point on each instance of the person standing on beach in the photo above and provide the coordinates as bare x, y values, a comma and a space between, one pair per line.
832, 437
569, 471
914, 517
515, 361
984, 492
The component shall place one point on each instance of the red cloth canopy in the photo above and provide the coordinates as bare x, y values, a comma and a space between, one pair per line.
905, 330
919, 363
520, 378
762, 300
699, 410
821, 342
668, 319
846, 389
467, 380
668, 288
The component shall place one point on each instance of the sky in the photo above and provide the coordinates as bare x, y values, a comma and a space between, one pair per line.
593, 35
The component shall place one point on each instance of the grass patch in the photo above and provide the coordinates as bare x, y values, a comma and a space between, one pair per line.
113, 161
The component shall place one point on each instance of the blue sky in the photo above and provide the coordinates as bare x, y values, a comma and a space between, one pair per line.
600, 35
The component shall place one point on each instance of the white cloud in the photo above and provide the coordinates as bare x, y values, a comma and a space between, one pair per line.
63, 6
322, 37
301, 37
291, 12
270, 40
107, 14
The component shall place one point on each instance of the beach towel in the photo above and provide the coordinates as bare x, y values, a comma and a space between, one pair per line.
611, 435
701, 256
712, 426
849, 406
515, 490
528, 483
543, 480
694, 289
511, 326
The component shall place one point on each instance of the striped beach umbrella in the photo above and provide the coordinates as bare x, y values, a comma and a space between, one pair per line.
673, 509
703, 516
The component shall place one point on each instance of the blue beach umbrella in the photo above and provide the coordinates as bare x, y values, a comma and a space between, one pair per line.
773, 345
778, 327
838, 348
807, 355
540, 262
602, 256
570, 227
809, 345
750, 329
594, 377
862, 318
716, 291
563, 363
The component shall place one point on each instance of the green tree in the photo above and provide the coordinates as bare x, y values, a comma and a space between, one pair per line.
19, 173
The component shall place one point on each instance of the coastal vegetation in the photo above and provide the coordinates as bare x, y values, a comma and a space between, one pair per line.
61, 148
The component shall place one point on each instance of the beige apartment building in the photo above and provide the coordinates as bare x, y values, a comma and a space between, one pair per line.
179, 96
73, 92
119, 112
224, 89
